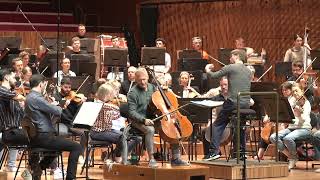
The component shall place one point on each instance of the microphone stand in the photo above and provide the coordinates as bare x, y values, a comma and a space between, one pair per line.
58, 38
34, 29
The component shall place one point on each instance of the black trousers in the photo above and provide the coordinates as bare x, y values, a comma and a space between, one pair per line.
52, 142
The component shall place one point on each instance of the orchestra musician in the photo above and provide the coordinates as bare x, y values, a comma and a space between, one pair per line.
25, 78
305, 82
240, 44
102, 129
297, 52
71, 103
127, 84
11, 114
76, 48
25, 56
186, 90
17, 66
65, 71
197, 45
216, 94
300, 127
138, 100
239, 78
39, 111
81, 31
161, 43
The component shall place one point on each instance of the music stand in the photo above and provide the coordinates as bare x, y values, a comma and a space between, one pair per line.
51, 43
153, 56
13, 43
85, 119
224, 55
87, 44
283, 69
261, 87
315, 54
189, 53
191, 64
115, 57
87, 68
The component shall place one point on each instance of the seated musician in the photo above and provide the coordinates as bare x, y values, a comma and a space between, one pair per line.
217, 94
197, 45
39, 111
138, 100
102, 128
71, 103
25, 78
76, 45
161, 43
305, 82
186, 90
239, 78
126, 85
297, 52
11, 115
17, 66
81, 31
301, 126
41, 63
65, 71
286, 89
240, 44
25, 56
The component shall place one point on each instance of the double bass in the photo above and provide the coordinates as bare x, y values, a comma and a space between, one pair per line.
174, 126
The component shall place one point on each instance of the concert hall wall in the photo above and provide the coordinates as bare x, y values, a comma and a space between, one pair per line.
269, 24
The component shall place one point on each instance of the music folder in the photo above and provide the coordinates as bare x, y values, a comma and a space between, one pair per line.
87, 115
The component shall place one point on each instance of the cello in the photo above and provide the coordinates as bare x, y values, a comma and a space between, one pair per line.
174, 126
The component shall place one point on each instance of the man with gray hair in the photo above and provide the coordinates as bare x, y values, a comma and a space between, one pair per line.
138, 100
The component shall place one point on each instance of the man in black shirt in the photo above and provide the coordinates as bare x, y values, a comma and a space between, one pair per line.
129, 83
75, 48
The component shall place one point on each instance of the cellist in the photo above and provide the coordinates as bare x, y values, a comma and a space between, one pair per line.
138, 100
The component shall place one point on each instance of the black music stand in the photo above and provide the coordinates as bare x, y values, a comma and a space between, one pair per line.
224, 55
51, 43
315, 54
191, 64
87, 68
262, 87
115, 57
189, 53
87, 44
197, 115
82, 58
153, 56
13, 43
283, 69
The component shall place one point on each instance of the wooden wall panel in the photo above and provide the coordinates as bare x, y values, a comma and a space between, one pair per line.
269, 24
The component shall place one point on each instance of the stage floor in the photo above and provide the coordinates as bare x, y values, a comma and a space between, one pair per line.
299, 173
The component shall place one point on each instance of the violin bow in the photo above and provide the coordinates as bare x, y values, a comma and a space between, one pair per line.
160, 117
82, 83
44, 70
216, 60
305, 70
264, 73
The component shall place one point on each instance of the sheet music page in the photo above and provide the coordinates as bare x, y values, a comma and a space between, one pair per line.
208, 103
88, 113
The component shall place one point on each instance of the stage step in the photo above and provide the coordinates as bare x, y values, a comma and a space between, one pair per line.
221, 169
143, 172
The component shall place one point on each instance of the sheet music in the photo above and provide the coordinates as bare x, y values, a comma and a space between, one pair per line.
88, 113
208, 103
